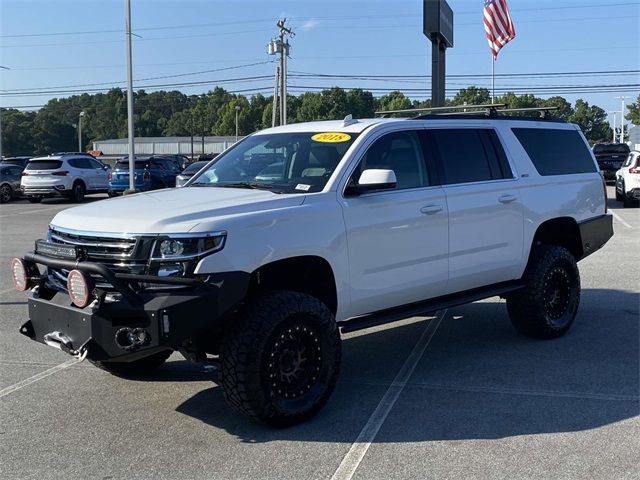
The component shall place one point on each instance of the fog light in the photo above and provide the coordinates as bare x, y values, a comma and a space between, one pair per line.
79, 287
19, 275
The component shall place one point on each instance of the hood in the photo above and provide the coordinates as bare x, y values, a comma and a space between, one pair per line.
178, 210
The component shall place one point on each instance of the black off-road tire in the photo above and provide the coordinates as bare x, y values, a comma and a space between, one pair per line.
78, 191
280, 362
547, 306
140, 367
5, 193
112, 194
34, 199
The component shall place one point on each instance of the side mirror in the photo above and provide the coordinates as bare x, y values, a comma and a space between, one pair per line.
373, 179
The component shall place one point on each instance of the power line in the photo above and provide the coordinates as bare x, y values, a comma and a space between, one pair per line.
342, 17
139, 79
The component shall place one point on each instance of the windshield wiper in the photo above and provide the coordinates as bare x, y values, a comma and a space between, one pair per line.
249, 185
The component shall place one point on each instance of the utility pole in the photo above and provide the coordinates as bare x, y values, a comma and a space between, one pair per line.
280, 45
613, 139
274, 111
237, 110
622, 99
80, 131
127, 33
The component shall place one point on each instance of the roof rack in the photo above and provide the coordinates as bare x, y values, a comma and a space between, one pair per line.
491, 110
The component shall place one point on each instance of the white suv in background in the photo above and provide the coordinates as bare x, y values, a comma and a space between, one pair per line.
70, 175
628, 180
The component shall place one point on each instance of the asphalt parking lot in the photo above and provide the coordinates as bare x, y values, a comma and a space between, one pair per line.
459, 395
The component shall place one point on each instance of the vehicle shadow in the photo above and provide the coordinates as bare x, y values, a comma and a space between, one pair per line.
478, 379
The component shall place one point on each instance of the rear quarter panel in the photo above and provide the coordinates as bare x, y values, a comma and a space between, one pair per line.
577, 196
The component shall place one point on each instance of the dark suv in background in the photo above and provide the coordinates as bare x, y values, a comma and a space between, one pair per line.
151, 173
610, 157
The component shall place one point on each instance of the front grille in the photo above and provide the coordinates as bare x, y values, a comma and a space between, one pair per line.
120, 254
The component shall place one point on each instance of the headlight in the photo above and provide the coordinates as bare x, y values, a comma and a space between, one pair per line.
187, 248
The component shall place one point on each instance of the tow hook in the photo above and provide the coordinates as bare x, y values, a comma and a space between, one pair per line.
62, 342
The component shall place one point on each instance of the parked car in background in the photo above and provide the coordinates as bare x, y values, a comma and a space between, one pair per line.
189, 172
9, 181
69, 175
610, 157
182, 161
151, 173
207, 156
628, 180
22, 161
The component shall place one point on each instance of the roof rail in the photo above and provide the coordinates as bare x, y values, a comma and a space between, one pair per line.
492, 110
488, 107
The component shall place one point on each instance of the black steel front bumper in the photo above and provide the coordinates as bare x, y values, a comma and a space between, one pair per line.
168, 317
594, 233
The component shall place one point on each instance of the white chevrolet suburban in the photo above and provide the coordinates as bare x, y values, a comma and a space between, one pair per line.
299, 232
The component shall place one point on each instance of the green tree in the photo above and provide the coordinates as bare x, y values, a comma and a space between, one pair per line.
17, 132
564, 108
393, 101
634, 112
471, 96
592, 121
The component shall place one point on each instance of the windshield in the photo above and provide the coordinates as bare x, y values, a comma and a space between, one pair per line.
620, 149
291, 162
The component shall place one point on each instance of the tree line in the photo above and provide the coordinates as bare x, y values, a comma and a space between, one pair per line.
53, 128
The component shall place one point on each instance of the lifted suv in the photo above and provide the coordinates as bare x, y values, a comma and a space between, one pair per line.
70, 175
357, 223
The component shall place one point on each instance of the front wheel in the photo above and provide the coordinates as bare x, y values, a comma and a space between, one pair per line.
546, 307
143, 366
280, 363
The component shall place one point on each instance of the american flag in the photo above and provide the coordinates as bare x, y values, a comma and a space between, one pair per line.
497, 25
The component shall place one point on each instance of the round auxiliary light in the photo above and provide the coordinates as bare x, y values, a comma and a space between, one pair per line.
19, 275
171, 248
79, 288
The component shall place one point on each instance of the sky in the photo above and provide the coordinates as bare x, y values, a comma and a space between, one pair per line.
66, 47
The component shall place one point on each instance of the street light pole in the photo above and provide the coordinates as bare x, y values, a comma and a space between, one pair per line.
127, 27
613, 138
237, 110
80, 131
622, 99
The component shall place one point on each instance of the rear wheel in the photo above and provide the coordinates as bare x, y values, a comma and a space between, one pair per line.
77, 192
548, 304
5, 193
280, 363
34, 199
619, 196
143, 366
112, 194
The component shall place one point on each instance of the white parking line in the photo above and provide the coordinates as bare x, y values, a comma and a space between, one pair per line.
356, 453
618, 218
35, 378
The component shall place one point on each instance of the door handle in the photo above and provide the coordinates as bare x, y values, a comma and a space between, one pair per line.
431, 209
507, 198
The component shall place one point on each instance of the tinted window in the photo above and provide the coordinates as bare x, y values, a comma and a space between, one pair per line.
83, 163
124, 164
96, 164
556, 152
465, 155
194, 167
15, 170
610, 148
400, 152
44, 165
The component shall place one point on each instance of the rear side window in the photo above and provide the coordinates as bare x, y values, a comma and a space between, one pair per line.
44, 165
556, 152
469, 155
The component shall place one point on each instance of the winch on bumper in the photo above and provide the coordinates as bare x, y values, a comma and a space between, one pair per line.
139, 323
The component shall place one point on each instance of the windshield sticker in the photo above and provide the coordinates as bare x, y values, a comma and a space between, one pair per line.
331, 137
303, 187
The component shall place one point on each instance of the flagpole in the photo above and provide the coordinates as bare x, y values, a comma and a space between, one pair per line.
493, 79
